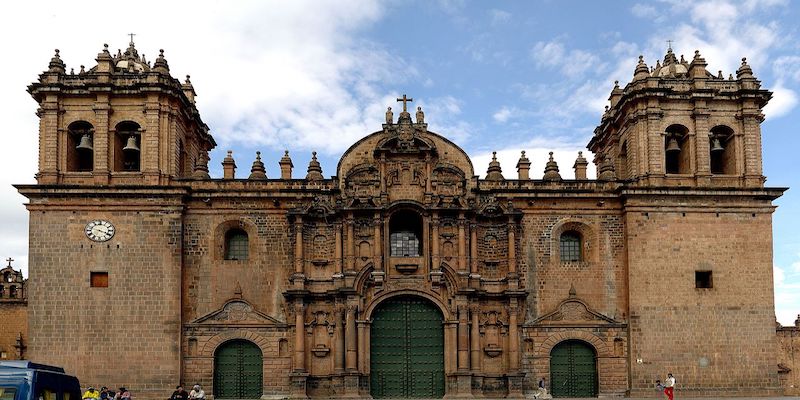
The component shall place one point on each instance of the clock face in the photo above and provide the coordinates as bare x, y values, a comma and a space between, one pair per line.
99, 230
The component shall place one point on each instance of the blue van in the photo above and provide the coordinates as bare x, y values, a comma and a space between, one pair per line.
24, 380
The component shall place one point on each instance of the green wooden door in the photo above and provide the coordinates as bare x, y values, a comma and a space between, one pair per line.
407, 349
573, 370
238, 371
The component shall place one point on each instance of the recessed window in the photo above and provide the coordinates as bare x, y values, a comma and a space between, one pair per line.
676, 152
570, 246
236, 245
99, 279
703, 280
405, 229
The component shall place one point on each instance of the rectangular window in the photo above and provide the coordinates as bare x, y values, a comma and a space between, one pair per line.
703, 280
7, 393
99, 279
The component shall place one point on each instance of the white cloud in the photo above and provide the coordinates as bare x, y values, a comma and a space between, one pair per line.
787, 67
642, 10
783, 101
572, 63
502, 115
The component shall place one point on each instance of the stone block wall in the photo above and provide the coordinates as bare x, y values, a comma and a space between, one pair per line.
14, 315
125, 334
716, 341
789, 358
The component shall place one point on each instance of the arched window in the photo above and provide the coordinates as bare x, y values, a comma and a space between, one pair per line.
80, 147
570, 246
127, 147
405, 234
623, 161
2, 291
721, 149
236, 245
676, 151
12, 292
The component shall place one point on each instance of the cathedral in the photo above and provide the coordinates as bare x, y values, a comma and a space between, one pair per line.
404, 274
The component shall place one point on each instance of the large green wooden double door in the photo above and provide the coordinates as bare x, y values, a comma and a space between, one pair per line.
573, 370
407, 349
238, 371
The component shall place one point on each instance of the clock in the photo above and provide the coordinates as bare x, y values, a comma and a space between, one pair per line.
99, 230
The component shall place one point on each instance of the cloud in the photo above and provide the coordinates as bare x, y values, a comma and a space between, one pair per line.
783, 101
647, 11
502, 114
572, 63
499, 17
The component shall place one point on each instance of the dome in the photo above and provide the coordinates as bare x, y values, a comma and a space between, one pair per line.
672, 68
130, 61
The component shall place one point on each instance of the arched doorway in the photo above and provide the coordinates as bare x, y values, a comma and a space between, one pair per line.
407, 349
238, 366
573, 370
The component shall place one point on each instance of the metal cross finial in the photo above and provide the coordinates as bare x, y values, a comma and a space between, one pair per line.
669, 44
405, 100
9, 259
131, 35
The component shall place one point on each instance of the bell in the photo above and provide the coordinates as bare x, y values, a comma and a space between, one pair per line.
672, 146
86, 143
131, 145
716, 146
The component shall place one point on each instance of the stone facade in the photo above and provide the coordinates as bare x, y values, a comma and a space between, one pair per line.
13, 313
662, 264
789, 357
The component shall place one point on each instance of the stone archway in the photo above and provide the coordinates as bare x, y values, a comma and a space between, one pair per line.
573, 369
407, 349
238, 370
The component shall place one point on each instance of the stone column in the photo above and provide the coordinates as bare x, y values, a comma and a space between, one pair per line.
463, 340
350, 337
349, 250
513, 279
337, 249
435, 241
513, 338
299, 337
103, 140
339, 350
378, 242
298, 245
462, 243
473, 249
475, 341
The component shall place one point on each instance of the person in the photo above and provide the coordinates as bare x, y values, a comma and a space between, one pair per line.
197, 393
541, 391
123, 394
104, 393
660, 388
669, 389
91, 393
179, 394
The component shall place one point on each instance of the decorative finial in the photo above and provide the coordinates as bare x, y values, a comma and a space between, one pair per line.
551, 170
187, 79
405, 100
257, 171
669, 46
314, 169
572, 291
237, 290
641, 59
494, 173
10, 260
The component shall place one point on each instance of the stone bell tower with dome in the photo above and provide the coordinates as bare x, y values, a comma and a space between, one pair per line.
405, 274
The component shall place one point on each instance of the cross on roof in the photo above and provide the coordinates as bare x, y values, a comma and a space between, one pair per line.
669, 44
131, 35
9, 259
405, 100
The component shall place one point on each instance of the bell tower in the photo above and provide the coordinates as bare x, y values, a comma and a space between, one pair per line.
676, 124
124, 121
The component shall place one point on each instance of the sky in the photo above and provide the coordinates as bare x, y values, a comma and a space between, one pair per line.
501, 76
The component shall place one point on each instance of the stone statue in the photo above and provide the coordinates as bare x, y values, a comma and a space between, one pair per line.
389, 115
420, 116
